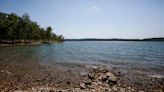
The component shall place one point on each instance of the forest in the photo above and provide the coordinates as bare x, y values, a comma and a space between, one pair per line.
21, 29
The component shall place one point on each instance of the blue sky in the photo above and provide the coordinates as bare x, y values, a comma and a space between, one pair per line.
94, 18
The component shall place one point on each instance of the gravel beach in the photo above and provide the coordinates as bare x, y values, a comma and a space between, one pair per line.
33, 77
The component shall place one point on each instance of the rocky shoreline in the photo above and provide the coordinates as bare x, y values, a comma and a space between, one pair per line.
97, 79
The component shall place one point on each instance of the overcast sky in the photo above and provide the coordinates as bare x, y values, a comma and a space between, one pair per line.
94, 18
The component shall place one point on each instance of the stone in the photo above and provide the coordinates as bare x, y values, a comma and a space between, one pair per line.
103, 78
82, 86
91, 76
88, 83
52, 90
122, 90
60, 90
111, 76
68, 82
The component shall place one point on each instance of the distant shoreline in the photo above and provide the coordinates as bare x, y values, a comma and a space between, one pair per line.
116, 39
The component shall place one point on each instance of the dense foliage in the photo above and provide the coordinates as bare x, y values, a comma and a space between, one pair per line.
17, 29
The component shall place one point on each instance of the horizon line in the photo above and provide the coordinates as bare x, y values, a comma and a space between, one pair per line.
116, 38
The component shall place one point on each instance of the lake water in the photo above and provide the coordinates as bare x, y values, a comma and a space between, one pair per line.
138, 56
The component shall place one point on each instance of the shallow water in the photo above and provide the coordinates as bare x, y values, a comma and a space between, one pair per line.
145, 57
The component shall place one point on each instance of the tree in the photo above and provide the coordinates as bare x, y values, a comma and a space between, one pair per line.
60, 38
26, 27
15, 29
12, 27
49, 33
3, 25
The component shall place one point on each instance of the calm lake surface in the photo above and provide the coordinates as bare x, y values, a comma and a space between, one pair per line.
145, 57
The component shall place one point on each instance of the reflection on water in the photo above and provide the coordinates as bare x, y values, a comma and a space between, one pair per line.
143, 56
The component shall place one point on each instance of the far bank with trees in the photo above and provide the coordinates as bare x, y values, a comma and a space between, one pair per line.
15, 29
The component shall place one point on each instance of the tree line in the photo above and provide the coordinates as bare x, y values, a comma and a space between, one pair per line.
16, 29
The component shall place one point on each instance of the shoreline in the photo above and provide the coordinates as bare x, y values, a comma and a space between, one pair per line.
20, 44
26, 44
34, 77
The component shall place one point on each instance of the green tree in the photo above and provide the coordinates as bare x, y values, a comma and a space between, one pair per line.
12, 27
15, 29
48, 33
